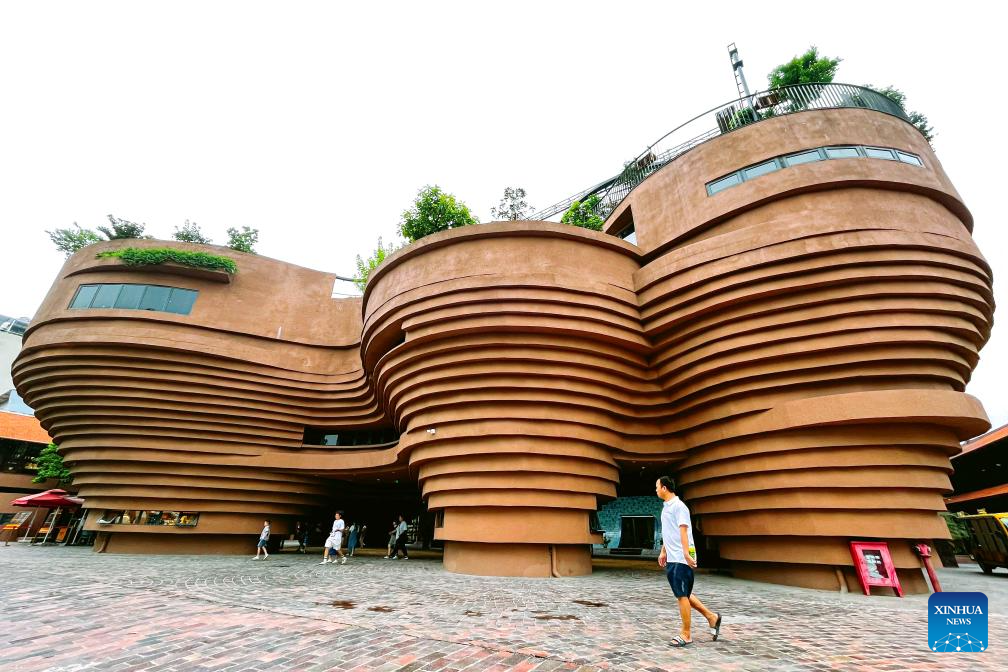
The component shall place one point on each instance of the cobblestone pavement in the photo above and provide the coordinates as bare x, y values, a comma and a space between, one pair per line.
70, 609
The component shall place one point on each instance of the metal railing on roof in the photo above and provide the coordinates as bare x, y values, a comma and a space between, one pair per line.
718, 121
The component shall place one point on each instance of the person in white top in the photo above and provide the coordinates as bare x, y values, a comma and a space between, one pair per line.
335, 540
678, 557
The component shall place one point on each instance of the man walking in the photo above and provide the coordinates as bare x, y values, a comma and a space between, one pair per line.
678, 557
335, 540
263, 540
400, 540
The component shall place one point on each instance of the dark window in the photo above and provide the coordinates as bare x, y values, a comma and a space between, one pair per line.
155, 298
181, 301
130, 296
722, 184
106, 297
842, 152
909, 158
803, 157
133, 297
350, 437
85, 295
19, 457
879, 153
761, 169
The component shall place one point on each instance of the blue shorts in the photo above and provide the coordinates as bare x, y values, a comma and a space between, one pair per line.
680, 578
262, 543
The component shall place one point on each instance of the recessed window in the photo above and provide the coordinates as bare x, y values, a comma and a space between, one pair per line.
85, 295
181, 301
842, 152
628, 234
809, 156
155, 298
106, 296
909, 158
129, 296
803, 157
722, 184
135, 297
760, 169
879, 153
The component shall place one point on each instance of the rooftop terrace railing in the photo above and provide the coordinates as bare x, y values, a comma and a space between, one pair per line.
718, 121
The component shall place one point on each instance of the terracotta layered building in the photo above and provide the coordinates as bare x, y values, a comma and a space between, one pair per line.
784, 317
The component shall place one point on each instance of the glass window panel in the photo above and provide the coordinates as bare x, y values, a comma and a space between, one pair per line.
85, 295
155, 298
804, 157
909, 158
106, 296
632, 238
181, 301
725, 182
130, 296
842, 152
879, 153
760, 169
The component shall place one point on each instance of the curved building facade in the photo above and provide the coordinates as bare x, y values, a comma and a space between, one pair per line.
789, 334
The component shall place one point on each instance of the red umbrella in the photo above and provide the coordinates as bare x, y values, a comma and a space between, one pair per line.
50, 499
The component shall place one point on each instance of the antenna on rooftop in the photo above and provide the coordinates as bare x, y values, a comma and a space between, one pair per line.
736, 62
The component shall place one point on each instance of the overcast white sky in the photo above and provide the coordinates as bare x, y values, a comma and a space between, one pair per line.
317, 122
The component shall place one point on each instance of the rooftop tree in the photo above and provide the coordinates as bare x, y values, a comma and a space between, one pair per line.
513, 205
69, 240
433, 211
191, 233
244, 240
366, 266
583, 214
916, 118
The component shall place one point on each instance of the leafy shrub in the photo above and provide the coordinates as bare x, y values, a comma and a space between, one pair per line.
134, 256
433, 211
583, 214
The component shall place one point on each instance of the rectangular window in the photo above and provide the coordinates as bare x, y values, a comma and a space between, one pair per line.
722, 184
879, 153
842, 152
129, 297
909, 158
181, 301
106, 297
761, 169
155, 298
804, 157
85, 295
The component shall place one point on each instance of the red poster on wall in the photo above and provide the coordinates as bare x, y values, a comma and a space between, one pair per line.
874, 565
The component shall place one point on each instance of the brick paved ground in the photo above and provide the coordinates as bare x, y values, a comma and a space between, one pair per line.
70, 609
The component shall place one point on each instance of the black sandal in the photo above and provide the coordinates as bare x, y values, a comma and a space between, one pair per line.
717, 627
680, 643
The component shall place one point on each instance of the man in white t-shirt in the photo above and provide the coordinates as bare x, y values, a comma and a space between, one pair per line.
335, 540
678, 557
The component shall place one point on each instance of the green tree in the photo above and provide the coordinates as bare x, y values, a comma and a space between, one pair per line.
513, 205
122, 228
244, 240
433, 211
807, 68
191, 233
916, 118
583, 214
50, 465
366, 266
70, 240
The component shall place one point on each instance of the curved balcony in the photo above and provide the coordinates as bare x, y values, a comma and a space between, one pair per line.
719, 121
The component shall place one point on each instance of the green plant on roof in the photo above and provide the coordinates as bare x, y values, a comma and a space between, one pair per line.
135, 256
